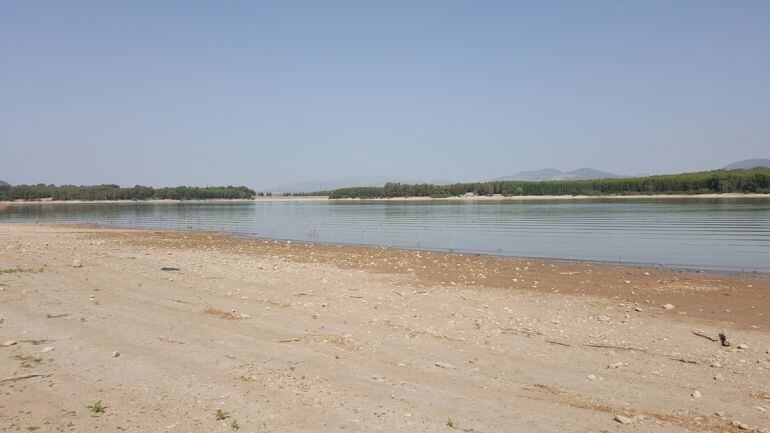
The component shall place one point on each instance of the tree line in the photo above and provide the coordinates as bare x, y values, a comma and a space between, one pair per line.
115, 192
755, 180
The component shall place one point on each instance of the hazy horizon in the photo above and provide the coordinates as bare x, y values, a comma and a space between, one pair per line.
176, 93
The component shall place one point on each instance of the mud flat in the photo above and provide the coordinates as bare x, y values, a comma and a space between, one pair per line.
287, 337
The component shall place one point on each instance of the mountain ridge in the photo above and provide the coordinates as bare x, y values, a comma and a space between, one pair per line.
582, 173
749, 163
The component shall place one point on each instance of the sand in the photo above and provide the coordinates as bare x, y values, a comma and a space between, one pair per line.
312, 338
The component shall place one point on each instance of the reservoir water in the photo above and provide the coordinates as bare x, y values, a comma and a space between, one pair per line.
719, 234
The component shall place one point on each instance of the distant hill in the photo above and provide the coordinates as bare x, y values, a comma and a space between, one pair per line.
3, 183
749, 163
328, 185
554, 174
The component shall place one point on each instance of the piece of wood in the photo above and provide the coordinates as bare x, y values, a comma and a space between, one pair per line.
707, 337
22, 377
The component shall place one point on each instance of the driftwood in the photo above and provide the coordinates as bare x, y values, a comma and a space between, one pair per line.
707, 337
609, 346
25, 376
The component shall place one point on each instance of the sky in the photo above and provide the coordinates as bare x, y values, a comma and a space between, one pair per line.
260, 93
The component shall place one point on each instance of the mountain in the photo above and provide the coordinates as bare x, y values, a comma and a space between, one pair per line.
3, 183
554, 174
749, 163
328, 185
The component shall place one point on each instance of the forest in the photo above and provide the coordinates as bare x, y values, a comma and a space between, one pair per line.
755, 180
115, 192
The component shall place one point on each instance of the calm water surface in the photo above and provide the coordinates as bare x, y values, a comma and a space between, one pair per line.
711, 234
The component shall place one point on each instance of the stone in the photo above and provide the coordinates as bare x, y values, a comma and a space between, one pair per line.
445, 365
615, 365
77, 263
668, 307
8, 343
115, 354
591, 377
740, 425
743, 346
623, 419
47, 349
696, 394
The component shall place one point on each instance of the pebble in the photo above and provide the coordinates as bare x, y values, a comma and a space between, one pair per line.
8, 343
445, 365
623, 419
743, 346
115, 354
668, 306
77, 263
46, 349
696, 394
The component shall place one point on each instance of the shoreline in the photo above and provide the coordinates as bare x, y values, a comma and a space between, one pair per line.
165, 328
725, 196
567, 197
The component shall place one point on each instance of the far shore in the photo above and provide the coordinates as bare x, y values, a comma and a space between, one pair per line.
462, 198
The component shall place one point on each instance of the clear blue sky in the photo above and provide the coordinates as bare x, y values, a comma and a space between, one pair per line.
260, 93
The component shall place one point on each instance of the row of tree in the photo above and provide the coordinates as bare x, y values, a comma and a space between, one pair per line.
755, 180
115, 192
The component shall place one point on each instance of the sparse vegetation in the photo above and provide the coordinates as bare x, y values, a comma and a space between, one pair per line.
21, 271
234, 425
28, 361
97, 407
221, 415
450, 423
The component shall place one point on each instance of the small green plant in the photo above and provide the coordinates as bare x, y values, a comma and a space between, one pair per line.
234, 425
21, 270
221, 414
97, 407
450, 423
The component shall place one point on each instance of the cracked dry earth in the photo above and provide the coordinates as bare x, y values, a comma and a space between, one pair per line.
311, 338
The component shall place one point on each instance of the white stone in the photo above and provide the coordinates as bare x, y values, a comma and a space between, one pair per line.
623, 419
668, 306
696, 394
8, 343
77, 263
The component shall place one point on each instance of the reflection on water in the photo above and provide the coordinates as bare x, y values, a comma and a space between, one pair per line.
714, 234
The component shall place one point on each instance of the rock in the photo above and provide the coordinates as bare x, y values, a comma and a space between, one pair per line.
638, 309
8, 343
696, 394
77, 263
115, 354
743, 346
591, 377
668, 307
623, 419
740, 425
723, 339
445, 365
47, 349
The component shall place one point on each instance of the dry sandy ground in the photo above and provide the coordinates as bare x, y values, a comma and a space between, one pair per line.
310, 338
